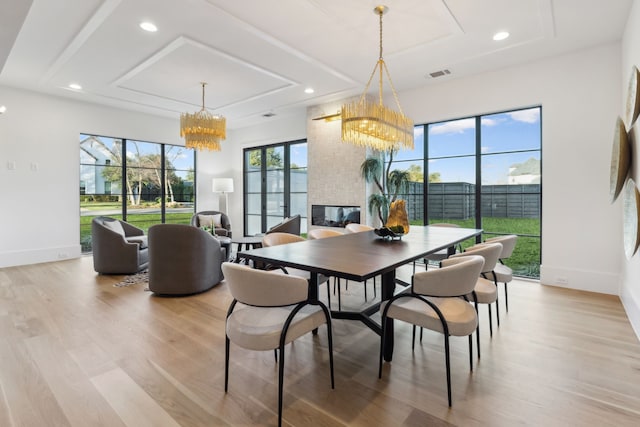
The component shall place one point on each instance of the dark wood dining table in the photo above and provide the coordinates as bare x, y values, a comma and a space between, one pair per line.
362, 256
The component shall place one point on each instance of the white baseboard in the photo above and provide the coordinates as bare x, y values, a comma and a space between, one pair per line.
592, 281
36, 256
632, 308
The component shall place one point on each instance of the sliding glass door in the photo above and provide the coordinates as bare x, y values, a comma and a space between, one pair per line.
275, 185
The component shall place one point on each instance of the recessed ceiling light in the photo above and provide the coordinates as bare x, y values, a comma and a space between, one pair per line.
75, 86
500, 35
2, 109
148, 26
309, 90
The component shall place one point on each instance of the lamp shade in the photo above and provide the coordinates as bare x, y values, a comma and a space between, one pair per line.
222, 185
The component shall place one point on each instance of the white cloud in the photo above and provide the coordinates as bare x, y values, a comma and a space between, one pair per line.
490, 122
526, 116
458, 126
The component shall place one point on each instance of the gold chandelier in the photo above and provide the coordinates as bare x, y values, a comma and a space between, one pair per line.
203, 130
371, 124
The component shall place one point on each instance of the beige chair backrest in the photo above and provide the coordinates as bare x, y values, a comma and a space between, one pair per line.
264, 288
456, 276
275, 239
323, 233
357, 228
508, 243
489, 251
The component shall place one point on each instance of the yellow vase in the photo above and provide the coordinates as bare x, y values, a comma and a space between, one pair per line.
398, 216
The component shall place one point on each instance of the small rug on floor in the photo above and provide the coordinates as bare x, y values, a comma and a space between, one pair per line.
134, 279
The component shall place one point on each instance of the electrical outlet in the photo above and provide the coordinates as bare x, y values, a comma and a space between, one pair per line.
561, 280
63, 255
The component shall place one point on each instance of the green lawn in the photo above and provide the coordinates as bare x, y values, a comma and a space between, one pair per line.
525, 260
143, 221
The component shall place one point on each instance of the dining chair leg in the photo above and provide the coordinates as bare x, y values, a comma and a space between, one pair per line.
477, 331
490, 321
365, 290
498, 312
421, 330
382, 340
375, 292
280, 385
470, 352
413, 338
448, 366
329, 291
226, 363
330, 339
336, 283
275, 354
506, 297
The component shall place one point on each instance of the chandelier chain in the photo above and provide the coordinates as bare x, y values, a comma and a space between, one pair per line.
203, 85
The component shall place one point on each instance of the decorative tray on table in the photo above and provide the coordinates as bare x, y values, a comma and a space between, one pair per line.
390, 233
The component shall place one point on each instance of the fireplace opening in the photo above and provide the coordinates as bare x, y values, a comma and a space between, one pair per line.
334, 215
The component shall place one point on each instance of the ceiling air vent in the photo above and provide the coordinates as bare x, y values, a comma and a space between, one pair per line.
440, 73
269, 114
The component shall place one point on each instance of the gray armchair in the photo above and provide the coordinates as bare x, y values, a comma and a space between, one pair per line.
183, 260
290, 225
118, 247
204, 218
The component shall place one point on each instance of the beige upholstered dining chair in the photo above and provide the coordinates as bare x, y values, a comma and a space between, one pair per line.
486, 288
503, 273
444, 253
436, 302
324, 233
357, 228
269, 311
360, 228
277, 238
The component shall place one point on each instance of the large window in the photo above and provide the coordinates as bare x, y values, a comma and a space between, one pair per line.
481, 172
275, 185
143, 183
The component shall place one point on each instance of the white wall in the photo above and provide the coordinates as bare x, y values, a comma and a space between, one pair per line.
630, 289
40, 135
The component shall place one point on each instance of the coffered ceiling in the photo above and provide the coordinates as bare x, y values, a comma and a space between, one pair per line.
259, 56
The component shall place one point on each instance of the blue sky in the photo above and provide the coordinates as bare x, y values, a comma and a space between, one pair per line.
512, 131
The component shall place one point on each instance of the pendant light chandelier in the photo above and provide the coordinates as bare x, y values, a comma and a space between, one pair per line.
368, 122
203, 130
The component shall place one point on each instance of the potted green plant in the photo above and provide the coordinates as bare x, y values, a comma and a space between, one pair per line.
389, 183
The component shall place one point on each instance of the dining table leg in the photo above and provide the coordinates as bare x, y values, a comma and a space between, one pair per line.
388, 289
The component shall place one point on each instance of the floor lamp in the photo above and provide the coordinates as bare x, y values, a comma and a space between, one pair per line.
224, 186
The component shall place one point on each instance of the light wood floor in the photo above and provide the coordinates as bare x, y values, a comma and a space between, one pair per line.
77, 351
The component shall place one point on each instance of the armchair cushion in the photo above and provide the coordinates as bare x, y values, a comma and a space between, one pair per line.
210, 220
140, 240
114, 226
